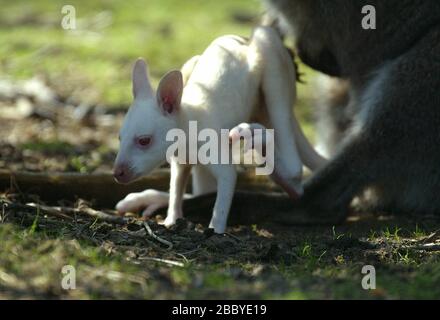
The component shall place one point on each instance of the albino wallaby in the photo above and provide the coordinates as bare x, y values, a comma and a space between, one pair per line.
234, 82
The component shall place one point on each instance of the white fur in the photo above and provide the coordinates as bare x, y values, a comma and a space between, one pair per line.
222, 91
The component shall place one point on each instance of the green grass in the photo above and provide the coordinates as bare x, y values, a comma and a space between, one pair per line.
92, 64
49, 147
96, 59
314, 265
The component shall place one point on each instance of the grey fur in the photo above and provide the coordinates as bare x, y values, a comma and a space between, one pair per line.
392, 102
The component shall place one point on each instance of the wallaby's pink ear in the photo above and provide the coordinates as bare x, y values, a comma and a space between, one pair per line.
141, 84
169, 92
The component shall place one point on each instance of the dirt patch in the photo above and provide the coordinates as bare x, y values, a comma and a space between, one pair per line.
131, 260
249, 261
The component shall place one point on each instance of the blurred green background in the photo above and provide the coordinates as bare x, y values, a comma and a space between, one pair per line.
92, 64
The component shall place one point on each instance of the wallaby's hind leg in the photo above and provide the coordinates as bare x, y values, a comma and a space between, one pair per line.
261, 145
279, 91
335, 112
262, 142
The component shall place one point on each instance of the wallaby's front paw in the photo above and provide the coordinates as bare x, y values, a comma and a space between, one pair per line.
257, 141
150, 200
257, 132
169, 221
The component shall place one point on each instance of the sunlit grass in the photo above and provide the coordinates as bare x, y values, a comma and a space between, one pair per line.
92, 64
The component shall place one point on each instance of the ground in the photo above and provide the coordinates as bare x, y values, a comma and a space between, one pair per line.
62, 98
189, 262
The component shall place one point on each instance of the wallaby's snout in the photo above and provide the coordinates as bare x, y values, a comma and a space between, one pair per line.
122, 173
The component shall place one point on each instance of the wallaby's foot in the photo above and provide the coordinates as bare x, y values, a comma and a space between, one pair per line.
168, 222
219, 225
149, 200
172, 216
291, 185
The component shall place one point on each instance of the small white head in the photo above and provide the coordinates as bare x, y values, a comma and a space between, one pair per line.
142, 137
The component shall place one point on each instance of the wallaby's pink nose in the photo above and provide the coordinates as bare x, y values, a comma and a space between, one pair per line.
121, 173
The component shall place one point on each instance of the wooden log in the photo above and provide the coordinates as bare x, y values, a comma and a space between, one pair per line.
101, 187
258, 203
248, 207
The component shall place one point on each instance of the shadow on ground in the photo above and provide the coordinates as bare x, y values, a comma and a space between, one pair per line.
189, 261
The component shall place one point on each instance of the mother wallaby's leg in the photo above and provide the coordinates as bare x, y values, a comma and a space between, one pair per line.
394, 143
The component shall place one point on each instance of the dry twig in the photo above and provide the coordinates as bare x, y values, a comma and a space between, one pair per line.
156, 237
66, 213
166, 261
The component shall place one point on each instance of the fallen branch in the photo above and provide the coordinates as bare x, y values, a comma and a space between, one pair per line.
66, 213
156, 237
69, 186
259, 203
53, 211
102, 215
166, 261
426, 247
101, 187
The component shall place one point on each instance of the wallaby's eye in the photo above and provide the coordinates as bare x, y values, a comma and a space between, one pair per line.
143, 141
